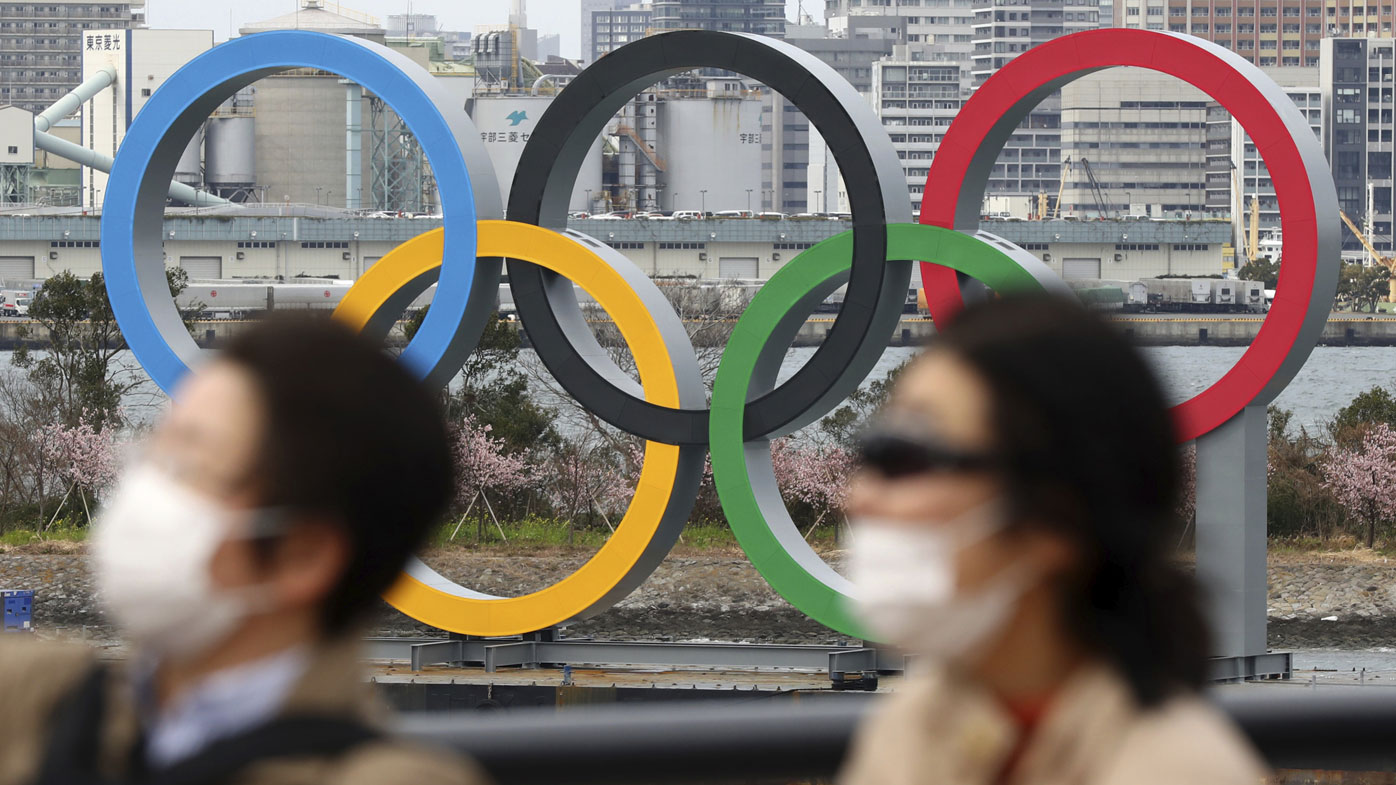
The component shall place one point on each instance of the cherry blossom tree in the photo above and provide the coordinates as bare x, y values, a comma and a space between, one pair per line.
83, 457
588, 475
1363, 478
484, 466
814, 474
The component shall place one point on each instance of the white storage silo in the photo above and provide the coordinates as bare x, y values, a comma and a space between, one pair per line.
507, 122
190, 170
231, 152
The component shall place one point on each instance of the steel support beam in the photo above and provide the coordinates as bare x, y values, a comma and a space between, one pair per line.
1231, 545
1278, 665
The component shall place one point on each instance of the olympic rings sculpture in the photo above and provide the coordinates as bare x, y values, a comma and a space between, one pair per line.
668, 407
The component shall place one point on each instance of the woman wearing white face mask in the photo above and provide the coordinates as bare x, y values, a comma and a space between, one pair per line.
1011, 525
283, 492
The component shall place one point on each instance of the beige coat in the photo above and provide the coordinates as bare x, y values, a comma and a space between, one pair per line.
939, 729
35, 676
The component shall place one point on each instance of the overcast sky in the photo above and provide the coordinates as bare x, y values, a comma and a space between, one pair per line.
549, 16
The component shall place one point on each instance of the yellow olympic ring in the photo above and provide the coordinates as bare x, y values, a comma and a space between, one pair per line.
425, 595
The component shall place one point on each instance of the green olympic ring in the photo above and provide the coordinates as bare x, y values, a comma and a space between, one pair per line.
742, 469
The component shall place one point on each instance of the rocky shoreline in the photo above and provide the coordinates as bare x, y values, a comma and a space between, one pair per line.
1338, 601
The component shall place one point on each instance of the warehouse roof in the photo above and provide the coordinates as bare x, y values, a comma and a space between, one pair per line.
313, 15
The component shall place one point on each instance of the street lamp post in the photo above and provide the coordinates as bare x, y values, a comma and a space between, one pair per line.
588, 205
748, 200
818, 201
318, 189
703, 204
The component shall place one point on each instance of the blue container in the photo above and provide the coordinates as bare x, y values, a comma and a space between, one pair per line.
18, 610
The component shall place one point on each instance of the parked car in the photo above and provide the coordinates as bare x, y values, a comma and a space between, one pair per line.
687, 215
734, 214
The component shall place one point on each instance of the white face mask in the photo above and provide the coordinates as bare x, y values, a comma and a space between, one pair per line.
905, 584
152, 545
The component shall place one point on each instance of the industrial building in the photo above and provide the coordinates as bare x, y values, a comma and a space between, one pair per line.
270, 242
415, 26
137, 62
41, 45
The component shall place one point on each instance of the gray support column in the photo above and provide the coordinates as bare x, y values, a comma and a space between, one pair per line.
1231, 532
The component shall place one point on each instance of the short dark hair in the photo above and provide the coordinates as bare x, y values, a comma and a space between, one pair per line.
1090, 453
349, 436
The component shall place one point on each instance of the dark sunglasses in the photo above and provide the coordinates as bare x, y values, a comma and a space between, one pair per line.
894, 454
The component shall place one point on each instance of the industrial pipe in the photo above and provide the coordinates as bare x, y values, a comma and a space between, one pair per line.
540, 80
80, 95
78, 154
81, 155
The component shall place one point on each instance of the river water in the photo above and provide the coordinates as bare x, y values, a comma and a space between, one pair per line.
1333, 376
1330, 379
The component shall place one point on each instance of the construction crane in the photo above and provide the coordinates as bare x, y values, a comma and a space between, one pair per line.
1095, 190
1385, 261
1253, 235
1061, 188
1246, 253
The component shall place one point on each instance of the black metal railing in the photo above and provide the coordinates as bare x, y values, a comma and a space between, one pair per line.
796, 736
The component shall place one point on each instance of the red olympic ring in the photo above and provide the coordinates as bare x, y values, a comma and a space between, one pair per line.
1308, 200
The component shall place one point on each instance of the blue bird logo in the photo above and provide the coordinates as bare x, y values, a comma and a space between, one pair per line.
517, 117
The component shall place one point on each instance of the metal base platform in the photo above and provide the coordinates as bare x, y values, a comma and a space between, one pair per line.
851, 666
1271, 665
848, 667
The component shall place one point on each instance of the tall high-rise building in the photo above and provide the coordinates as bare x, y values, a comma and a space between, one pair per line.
916, 101
1001, 33
1265, 32
41, 45
588, 7
1140, 133
763, 17
1355, 77
614, 28
947, 25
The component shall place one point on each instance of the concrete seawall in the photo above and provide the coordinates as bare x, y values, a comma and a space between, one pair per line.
1341, 330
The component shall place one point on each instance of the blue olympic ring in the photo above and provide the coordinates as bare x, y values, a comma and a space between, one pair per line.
132, 231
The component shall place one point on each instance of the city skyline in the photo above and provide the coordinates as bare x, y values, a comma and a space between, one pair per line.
547, 16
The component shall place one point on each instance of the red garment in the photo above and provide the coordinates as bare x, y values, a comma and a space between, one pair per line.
1027, 714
